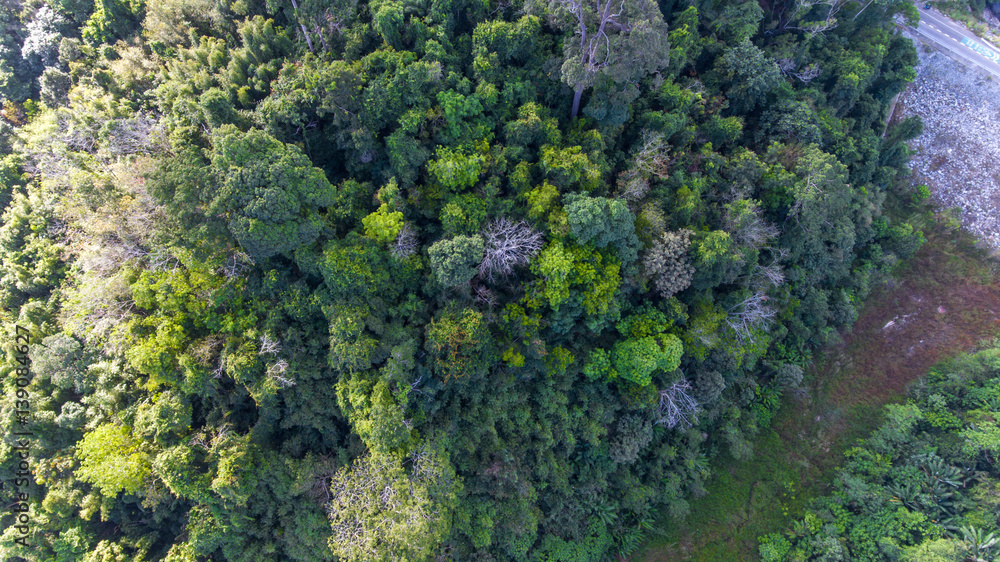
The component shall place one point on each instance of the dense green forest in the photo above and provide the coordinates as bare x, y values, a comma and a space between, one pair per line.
414, 279
925, 486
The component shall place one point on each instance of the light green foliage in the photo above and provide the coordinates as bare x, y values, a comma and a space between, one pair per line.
599, 365
593, 278
177, 468
375, 413
464, 214
383, 225
454, 260
163, 420
238, 470
739, 22
716, 259
570, 168
683, 37
497, 43
555, 266
456, 170
541, 200
113, 19
635, 359
271, 193
458, 108
113, 460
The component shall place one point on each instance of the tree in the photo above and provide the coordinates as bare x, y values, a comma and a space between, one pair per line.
635, 359
113, 460
603, 222
508, 244
749, 75
668, 264
270, 193
41, 46
454, 261
383, 225
381, 511
460, 343
677, 406
113, 19
623, 41
739, 22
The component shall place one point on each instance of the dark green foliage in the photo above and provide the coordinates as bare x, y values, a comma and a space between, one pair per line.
270, 192
454, 261
310, 280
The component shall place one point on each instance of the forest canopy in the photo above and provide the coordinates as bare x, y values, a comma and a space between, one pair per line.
406, 279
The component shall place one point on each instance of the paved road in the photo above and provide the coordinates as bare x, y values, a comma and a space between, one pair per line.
958, 42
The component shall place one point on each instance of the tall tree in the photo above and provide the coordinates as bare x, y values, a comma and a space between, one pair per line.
623, 41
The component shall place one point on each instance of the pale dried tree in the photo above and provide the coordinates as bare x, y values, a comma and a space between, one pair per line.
269, 345
406, 243
508, 244
632, 186
750, 316
807, 74
677, 406
485, 296
277, 374
135, 135
764, 275
797, 20
653, 155
746, 225
235, 266
160, 259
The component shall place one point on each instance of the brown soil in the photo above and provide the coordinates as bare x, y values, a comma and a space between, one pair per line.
940, 306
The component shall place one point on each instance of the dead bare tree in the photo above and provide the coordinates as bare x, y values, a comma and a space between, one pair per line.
789, 67
766, 275
485, 296
508, 245
653, 157
632, 186
677, 406
406, 243
305, 32
160, 259
269, 346
817, 25
277, 374
135, 135
746, 225
751, 315
235, 266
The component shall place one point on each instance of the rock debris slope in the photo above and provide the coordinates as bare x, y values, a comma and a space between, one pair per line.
958, 155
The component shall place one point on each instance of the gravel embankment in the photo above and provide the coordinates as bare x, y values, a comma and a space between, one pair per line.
958, 155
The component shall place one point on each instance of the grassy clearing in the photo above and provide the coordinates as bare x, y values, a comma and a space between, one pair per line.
944, 301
